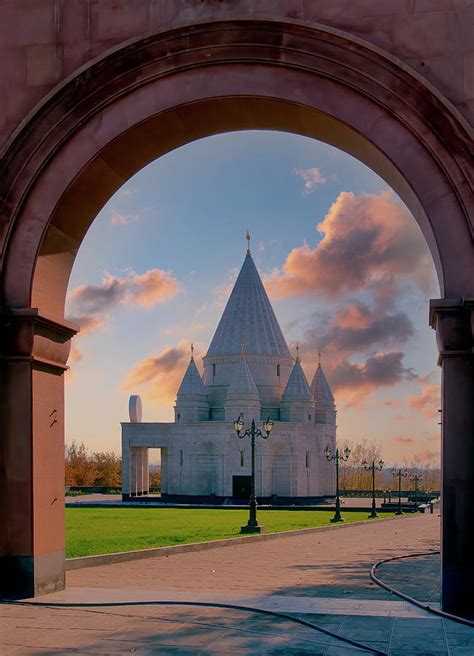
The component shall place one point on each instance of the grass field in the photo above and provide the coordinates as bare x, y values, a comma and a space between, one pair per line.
91, 531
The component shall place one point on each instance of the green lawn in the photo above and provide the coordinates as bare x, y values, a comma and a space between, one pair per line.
91, 531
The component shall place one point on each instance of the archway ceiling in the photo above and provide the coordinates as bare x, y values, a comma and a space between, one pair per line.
156, 94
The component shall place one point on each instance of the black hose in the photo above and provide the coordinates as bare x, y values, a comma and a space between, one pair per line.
284, 616
412, 600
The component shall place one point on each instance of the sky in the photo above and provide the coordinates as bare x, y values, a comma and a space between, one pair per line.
346, 267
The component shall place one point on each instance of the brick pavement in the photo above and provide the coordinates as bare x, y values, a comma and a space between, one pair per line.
331, 563
320, 577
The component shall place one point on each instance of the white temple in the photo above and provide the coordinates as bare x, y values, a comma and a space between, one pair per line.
248, 371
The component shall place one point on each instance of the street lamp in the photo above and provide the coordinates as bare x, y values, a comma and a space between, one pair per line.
400, 472
252, 525
337, 456
373, 467
416, 478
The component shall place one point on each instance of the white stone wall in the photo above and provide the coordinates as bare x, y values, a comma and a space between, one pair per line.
200, 458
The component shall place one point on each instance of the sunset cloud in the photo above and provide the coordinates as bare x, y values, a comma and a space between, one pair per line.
89, 304
357, 328
367, 241
427, 401
312, 177
425, 456
358, 380
161, 374
403, 439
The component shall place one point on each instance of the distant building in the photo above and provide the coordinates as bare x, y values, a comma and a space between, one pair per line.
248, 371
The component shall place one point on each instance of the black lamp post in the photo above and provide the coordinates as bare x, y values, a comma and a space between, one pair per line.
416, 478
336, 457
252, 525
400, 473
373, 467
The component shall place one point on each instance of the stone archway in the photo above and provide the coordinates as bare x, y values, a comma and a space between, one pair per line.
157, 93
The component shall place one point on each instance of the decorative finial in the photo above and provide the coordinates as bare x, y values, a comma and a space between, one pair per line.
242, 346
247, 237
192, 350
298, 352
319, 360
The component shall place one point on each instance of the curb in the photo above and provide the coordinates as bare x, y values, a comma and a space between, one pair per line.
156, 552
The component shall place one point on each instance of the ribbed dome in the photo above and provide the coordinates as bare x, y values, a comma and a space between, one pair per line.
248, 317
297, 386
192, 382
242, 384
320, 387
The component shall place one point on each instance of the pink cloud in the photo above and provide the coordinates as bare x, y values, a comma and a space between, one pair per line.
426, 456
161, 374
403, 439
89, 304
427, 401
357, 328
358, 380
367, 241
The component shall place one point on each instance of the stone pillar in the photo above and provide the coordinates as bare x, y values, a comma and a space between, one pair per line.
453, 321
126, 456
133, 472
33, 353
145, 471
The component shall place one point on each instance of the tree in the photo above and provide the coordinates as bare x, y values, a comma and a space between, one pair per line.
352, 474
101, 468
79, 468
108, 469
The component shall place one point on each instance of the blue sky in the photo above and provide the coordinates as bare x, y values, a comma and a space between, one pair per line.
185, 216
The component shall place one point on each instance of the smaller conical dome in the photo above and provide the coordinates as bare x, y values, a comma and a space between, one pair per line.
297, 386
242, 383
320, 388
192, 384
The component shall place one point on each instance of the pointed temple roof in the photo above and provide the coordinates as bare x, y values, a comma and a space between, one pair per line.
320, 387
192, 382
242, 383
297, 385
248, 317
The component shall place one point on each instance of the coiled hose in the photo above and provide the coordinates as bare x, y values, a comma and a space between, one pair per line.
412, 600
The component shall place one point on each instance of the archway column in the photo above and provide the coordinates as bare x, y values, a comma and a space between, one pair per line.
453, 321
33, 352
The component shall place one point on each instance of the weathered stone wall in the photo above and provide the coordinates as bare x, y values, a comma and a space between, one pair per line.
42, 42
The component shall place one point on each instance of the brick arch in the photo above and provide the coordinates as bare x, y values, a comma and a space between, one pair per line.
157, 93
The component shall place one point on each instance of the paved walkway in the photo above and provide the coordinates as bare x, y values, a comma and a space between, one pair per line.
320, 577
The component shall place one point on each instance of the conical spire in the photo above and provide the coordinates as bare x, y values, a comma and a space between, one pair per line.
248, 315
242, 383
297, 386
320, 387
191, 384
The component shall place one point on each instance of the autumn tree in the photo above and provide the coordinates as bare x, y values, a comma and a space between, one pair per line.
85, 469
108, 469
352, 475
79, 467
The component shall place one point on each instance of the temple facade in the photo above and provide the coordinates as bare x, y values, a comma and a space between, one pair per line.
248, 371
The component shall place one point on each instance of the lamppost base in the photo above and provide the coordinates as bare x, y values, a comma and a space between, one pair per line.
252, 529
399, 512
337, 519
373, 516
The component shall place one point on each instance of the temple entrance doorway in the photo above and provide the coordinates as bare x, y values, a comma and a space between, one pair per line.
241, 487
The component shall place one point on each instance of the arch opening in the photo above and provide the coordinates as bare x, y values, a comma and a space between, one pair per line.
155, 94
